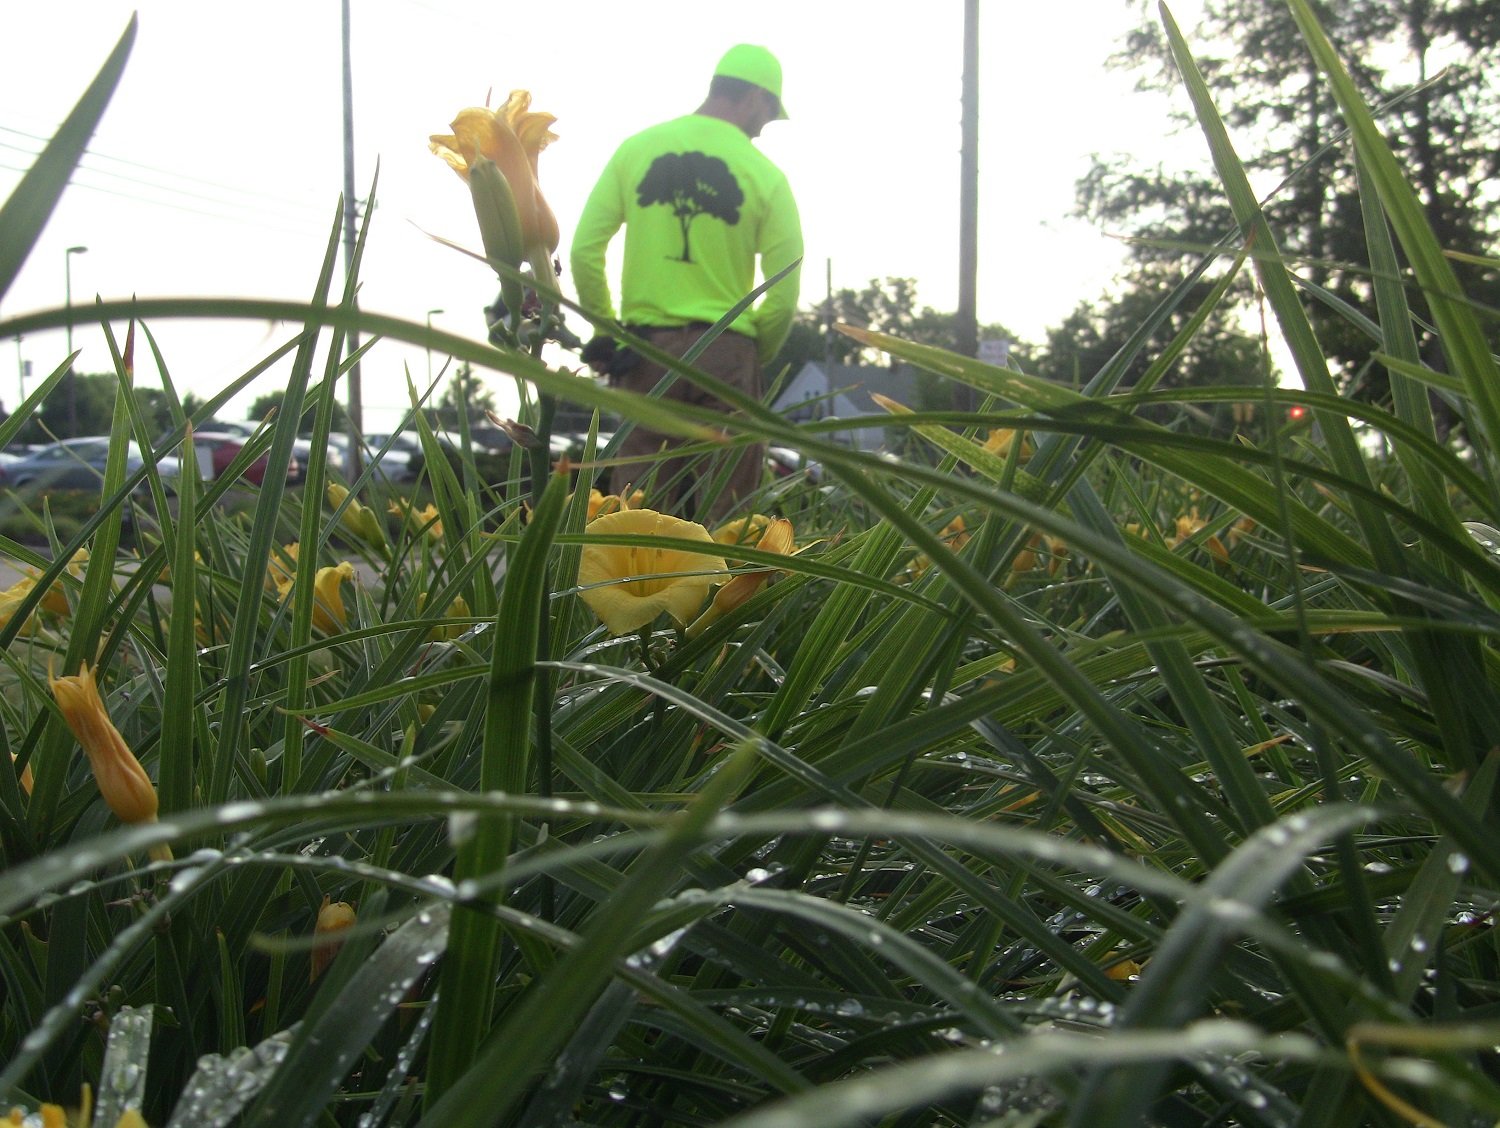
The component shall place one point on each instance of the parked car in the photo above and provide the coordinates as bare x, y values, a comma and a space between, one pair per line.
76, 464
217, 449
784, 462
404, 459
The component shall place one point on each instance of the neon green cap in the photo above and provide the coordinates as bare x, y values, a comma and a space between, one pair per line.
755, 65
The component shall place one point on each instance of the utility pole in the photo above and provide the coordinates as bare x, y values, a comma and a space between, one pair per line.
828, 327
430, 312
968, 195
351, 238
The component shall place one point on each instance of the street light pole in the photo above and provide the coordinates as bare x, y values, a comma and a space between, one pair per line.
68, 298
430, 312
68, 287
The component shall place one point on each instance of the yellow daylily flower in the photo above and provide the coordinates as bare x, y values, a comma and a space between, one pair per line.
513, 137
358, 520
123, 783
628, 586
332, 919
777, 538
55, 1116
1001, 439
10, 602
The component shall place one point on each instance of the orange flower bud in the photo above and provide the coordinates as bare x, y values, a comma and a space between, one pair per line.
123, 783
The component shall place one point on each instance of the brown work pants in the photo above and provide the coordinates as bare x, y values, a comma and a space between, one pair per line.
683, 485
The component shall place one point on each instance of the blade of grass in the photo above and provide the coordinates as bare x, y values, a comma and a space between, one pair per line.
29, 207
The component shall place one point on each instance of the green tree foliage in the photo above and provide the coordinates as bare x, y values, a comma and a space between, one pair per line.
1219, 354
1429, 63
886, 305
84, 404
464, 397
266, 405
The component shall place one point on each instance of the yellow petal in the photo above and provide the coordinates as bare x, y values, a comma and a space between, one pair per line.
628, 586
329, 615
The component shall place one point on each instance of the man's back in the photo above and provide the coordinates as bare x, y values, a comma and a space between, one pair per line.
698, 202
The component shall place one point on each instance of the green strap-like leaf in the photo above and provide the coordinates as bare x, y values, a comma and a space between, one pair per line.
26, 213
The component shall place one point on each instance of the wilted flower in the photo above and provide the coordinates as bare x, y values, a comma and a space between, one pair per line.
279, 568
776, 538
1039, 545
743, 530
419, 520
123, 783
332, 919
1239, 530
955, 535
358, 520
628, 586
602, 503
26, 777
1189, 525
512, 137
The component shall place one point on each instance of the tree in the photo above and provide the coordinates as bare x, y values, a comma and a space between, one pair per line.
1219, 353
887, 306
1443, 125
93, 395
691, 184
465, 397
264, 406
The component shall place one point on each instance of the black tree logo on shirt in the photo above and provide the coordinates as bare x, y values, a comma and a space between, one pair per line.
691, 184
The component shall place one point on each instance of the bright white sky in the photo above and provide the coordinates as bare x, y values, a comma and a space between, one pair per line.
217, 168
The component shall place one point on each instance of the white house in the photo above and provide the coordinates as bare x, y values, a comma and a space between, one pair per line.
842, 391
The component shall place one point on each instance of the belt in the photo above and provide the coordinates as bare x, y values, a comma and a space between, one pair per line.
700, 327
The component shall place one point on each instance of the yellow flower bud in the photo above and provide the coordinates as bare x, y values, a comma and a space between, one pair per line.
332, 919
123, 783
357, 520
329, 615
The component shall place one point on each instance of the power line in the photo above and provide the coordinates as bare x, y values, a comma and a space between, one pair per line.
249, 221
175, 175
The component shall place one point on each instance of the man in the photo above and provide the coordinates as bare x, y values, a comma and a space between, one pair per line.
698, 203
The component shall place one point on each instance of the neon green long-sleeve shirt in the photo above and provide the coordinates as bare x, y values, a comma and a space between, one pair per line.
699, 203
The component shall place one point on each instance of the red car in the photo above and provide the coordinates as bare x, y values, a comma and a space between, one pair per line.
216, 450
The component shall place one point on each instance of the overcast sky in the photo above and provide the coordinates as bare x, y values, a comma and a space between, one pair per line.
217, 168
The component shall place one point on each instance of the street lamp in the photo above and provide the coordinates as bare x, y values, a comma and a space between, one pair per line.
68, 283
72, 379
430, 312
